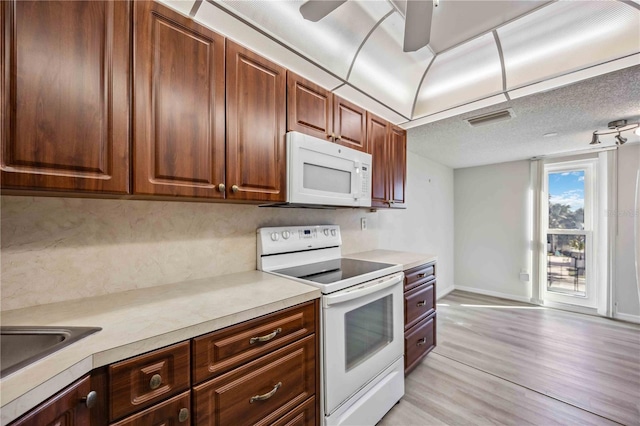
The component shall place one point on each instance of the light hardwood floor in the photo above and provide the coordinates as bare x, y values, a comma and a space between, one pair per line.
504, 362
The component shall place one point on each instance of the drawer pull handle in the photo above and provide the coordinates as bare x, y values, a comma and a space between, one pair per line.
183, 415
266, 395
155, 382
422, 275
421, 341
421, 303
90, 400
265, 338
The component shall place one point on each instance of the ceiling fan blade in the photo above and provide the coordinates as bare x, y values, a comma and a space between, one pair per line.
315, 10
417, 24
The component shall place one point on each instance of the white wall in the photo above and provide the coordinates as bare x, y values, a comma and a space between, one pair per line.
491, 229
626, 298
426, 226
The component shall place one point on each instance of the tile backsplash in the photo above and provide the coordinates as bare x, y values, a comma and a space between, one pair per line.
56, 249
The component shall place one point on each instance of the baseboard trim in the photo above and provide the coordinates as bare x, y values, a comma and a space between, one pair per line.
627, 317
507, 296
572, 308
442, 293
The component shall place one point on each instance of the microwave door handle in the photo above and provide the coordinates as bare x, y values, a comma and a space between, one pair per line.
356, 292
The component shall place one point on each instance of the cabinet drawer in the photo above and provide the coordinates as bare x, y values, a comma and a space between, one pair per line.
303, 415
419, 275
261, 391
175, 411
419, 341
223, 350
139, 382
419, 303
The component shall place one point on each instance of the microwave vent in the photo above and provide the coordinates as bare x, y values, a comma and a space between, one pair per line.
492, 117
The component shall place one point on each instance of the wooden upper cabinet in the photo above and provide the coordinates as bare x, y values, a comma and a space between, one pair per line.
256, 126
65, 95
398, 163
388, 148
309, 107
349, 124
179, 128
377, 135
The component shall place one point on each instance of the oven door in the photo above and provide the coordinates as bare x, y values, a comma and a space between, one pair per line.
363, 335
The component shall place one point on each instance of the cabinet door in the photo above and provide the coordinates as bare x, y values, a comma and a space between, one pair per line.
67, 408
349, 124
377, 134
309, 107
398, 165
256, 123
65, 95
179, 105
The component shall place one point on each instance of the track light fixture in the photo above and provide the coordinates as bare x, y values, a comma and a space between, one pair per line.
617, 126
620, 140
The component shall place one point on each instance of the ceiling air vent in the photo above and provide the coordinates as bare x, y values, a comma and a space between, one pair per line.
492, 117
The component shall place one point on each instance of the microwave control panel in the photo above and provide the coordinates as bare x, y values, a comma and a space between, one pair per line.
366, 179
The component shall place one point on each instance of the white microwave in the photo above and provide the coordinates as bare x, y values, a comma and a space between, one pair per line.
322, 173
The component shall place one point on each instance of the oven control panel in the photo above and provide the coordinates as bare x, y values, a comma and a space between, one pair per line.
285, 239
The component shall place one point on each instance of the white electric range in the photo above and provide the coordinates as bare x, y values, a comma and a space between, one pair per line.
362, 319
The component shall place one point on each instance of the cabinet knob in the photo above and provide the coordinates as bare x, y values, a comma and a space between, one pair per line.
221, 187
155, 382
422, 275
91, 399
421, 303
421, 341
235, 188
183, 415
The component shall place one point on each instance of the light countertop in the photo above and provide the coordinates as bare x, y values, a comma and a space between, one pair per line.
138, 321
408, 260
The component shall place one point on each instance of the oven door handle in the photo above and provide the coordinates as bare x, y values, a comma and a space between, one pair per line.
361, 290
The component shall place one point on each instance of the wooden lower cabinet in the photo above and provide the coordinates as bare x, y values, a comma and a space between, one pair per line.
262, 391
67, 408
419, 341
259, 377
419, 314
174, 411
303, 415
144, 380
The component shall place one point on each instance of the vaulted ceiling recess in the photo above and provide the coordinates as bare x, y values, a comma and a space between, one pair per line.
479, 52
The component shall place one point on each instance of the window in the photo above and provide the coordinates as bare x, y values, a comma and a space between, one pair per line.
568, 224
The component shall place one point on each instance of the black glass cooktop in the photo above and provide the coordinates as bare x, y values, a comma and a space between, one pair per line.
332, 271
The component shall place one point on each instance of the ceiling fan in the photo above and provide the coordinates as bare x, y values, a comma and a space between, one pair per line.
417, 16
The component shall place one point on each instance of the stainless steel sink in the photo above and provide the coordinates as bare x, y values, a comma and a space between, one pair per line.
22, 345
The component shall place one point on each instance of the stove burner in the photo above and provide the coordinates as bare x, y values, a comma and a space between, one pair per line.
332, 271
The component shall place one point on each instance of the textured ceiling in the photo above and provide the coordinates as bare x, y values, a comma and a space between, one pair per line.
573, 111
